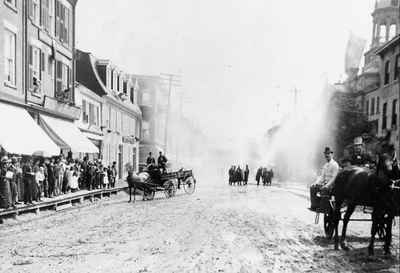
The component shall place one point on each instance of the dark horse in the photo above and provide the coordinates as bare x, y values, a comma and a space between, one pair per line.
358, 186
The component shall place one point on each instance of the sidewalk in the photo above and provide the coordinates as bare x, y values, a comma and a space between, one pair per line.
64, 200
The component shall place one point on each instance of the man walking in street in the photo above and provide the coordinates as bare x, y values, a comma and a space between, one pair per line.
325, 182
258, 175
246, 175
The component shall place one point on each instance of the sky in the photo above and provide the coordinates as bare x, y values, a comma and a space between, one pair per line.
239, 59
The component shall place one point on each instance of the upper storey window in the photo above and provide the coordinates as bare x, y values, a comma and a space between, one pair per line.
63, 23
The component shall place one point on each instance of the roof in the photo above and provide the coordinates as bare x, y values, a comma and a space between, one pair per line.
381, 4
388, 45
86, 73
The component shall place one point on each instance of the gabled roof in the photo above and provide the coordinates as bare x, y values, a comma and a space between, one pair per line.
86, 73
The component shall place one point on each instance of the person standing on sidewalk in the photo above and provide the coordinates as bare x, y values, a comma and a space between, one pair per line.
14, 182
29, 179
114, 174
50, 177
5, 191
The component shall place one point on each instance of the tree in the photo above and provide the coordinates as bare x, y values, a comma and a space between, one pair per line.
350, 120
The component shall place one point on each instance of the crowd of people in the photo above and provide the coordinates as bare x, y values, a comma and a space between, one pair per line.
264, 175
28, 179
238, 176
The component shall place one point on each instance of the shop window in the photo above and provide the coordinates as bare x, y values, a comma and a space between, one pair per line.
9, 57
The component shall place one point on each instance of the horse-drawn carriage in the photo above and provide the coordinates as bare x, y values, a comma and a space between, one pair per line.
154, 180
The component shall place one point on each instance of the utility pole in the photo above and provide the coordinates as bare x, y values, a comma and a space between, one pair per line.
172, 80
295, 93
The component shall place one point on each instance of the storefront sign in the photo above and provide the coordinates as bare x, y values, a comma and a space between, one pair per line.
63, 108
128, 139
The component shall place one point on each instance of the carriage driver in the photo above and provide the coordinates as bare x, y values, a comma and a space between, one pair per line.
324, 182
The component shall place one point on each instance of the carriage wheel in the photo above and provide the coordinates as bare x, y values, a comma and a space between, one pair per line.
189, 185
169, 189
381, 231
328, 225
150, 195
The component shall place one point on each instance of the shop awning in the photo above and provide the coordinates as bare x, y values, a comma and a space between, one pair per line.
67, 135
20, 134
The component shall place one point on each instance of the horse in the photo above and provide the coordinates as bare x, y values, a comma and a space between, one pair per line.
358, 186
138, 179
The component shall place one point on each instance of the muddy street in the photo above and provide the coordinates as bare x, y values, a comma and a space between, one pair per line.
217, 229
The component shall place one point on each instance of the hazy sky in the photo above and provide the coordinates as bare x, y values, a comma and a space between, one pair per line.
237, 57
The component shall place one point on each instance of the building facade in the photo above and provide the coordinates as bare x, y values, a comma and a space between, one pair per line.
152, 98
116, 117
376, 87
37, 41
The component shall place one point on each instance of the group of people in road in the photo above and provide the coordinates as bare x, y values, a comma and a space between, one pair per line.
264, 175
238, 176
28, 179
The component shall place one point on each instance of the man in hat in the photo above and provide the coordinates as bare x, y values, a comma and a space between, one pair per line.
325, 181
5, 178
150, 160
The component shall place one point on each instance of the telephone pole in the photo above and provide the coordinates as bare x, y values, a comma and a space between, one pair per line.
173, 80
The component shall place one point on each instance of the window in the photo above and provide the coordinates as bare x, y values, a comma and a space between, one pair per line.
132, 95
63, 19
85, 116
42, 62
382, 33
118, 83
9, 57
34, 69
63, 81
112, 79
397, 67
384, 116
366, 107
378, 106
394, 113
33, 10
12, 3
47, 15
125, 87
372, 107
387, 72
395, 3
50, 66
392, 31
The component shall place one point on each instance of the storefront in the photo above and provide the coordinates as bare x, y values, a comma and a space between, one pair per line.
67, 136
22, 135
